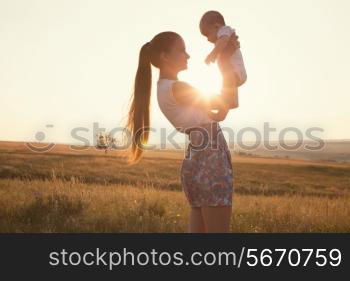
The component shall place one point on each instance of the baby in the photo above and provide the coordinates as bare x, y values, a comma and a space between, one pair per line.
212, 25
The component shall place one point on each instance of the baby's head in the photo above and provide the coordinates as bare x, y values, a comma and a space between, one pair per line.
210, 23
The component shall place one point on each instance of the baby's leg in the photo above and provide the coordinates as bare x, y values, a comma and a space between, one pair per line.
238, 66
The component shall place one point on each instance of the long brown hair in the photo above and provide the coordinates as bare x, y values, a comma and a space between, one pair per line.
139, 113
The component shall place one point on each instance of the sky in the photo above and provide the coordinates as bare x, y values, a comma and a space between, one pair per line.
66, 64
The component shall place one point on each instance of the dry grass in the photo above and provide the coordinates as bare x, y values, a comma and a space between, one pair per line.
92, 192
70, 206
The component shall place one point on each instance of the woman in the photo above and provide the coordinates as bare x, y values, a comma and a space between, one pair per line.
206, 171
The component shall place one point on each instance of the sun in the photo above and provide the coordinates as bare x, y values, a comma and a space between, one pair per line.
206, 79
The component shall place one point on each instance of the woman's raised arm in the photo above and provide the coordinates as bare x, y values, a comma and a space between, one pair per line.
185, 94
229, 87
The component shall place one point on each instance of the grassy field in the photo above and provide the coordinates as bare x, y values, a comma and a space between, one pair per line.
89, 191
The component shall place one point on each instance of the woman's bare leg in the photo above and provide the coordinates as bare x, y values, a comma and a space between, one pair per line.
196, 221
217, 219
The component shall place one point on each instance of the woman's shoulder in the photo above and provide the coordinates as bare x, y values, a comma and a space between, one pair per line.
163, 82
181, 86
165, 88
175, 85
175, 89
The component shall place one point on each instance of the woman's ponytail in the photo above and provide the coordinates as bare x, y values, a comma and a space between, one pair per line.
138, 123
139, 113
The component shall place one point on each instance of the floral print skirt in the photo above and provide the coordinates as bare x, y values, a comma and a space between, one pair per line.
206, 171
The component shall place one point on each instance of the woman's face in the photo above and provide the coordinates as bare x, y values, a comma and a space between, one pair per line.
176, 58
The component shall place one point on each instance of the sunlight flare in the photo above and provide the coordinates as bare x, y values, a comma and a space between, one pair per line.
205, 78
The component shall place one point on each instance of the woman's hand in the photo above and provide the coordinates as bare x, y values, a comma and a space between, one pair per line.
232, 46
234, 41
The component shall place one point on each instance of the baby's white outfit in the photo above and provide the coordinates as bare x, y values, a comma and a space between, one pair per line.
236, 59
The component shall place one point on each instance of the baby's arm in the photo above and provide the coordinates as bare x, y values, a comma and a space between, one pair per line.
220, 45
